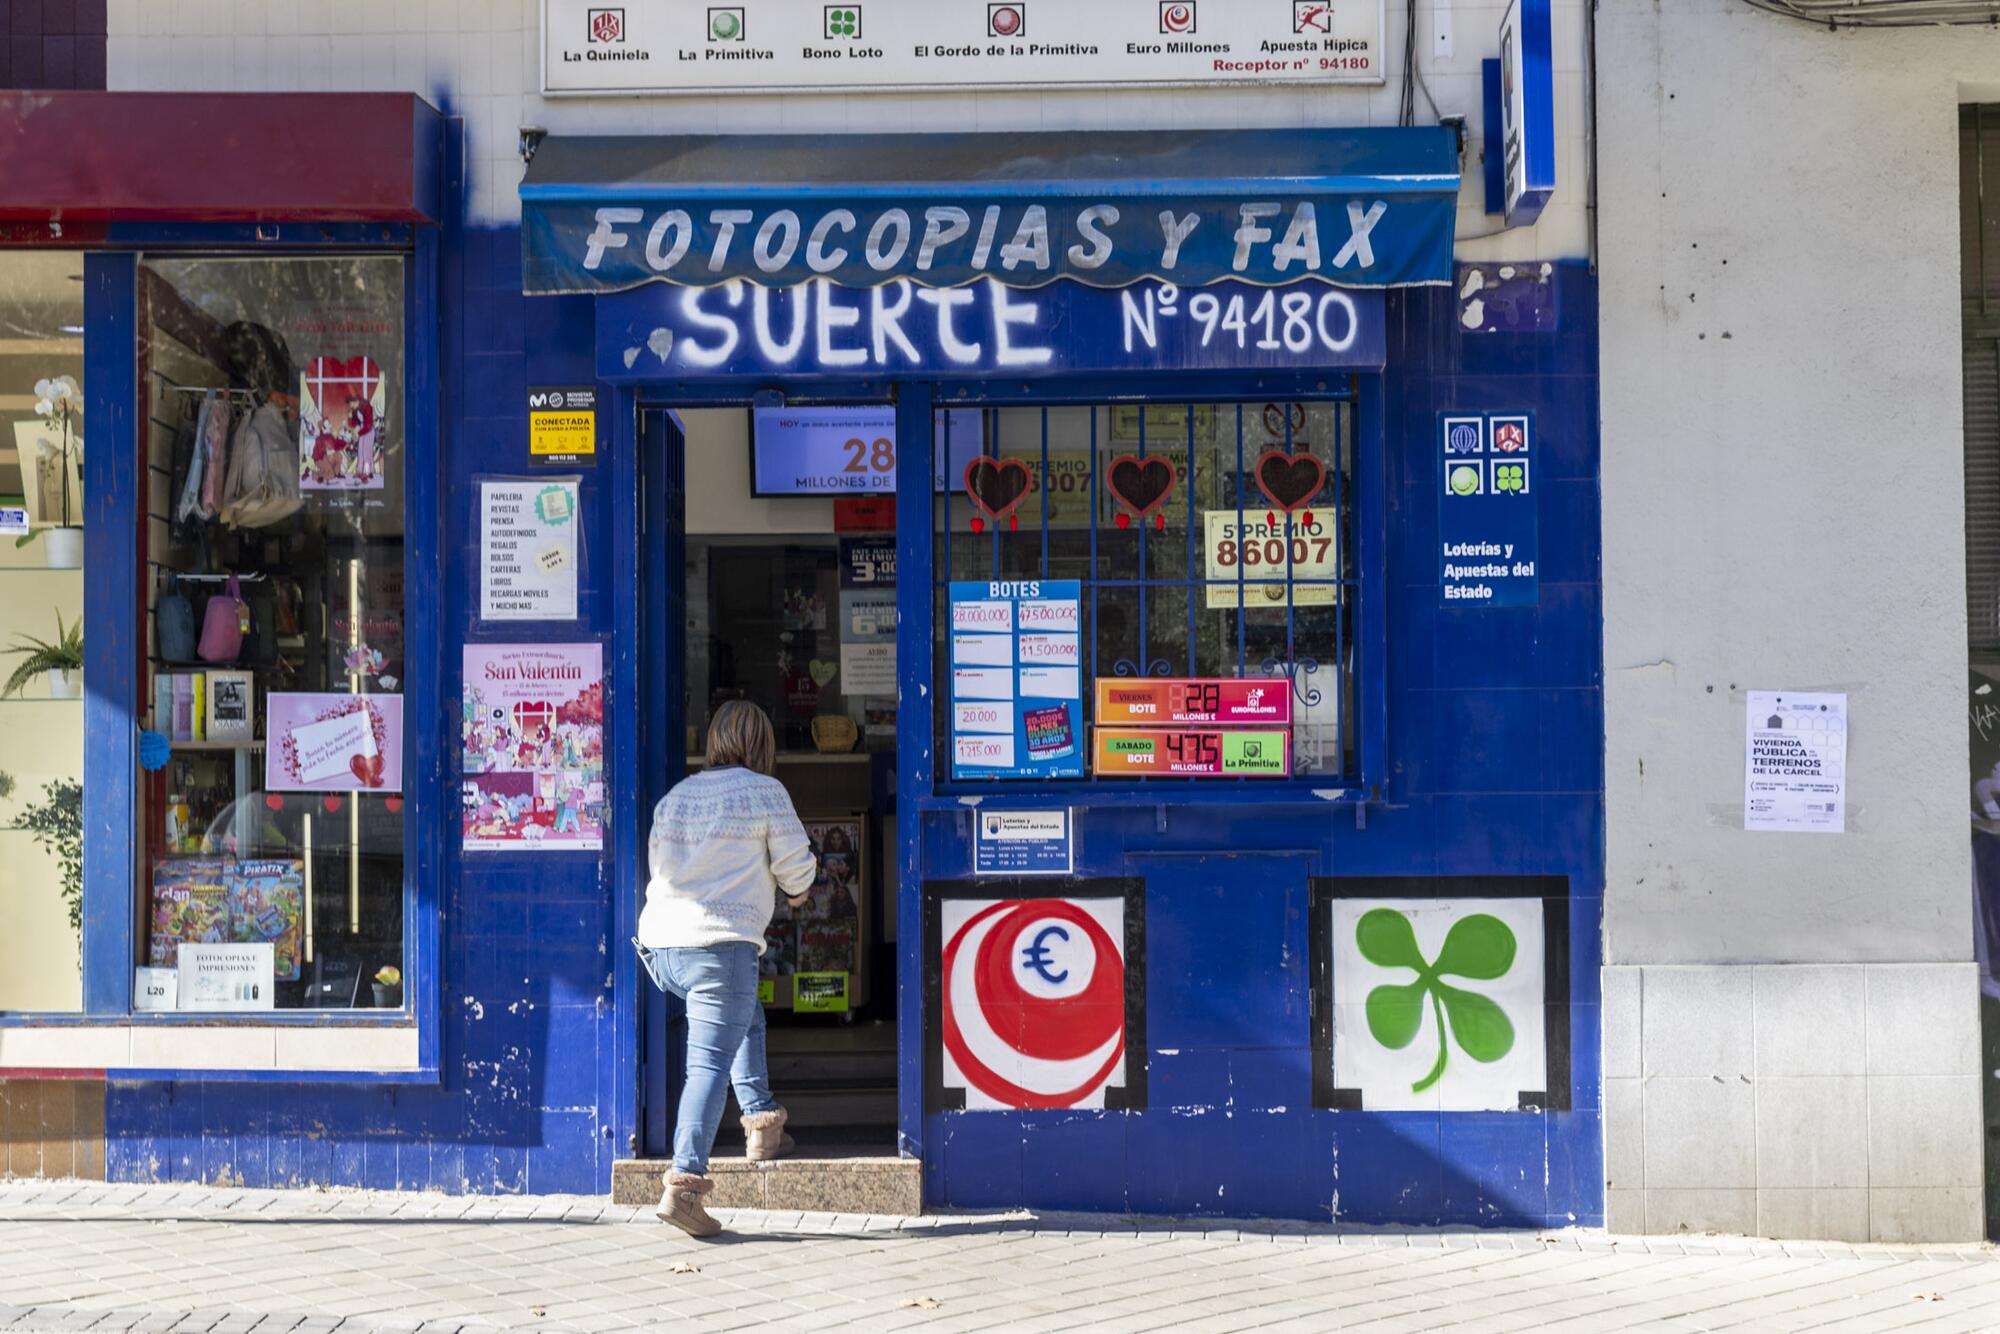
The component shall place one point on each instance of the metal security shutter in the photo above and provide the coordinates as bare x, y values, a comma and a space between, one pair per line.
1980, 292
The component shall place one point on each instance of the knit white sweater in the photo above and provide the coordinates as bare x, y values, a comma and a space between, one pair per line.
724, 843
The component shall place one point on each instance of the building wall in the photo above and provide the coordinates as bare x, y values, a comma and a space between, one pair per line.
482, 59
530, 1075
1791, 1020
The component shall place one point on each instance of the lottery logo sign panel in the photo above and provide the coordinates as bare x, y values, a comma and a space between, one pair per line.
1035, 998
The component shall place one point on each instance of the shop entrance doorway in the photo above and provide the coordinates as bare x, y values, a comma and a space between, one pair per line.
766, 594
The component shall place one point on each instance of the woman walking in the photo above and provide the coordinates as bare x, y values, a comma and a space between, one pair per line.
725, 843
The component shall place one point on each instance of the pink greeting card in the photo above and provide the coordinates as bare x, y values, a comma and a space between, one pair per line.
333, 743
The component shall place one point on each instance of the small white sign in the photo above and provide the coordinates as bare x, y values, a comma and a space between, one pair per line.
1050, 683
527, 546
226, 977
982, 650
1051, 617
328, 748
156, 989
993, 618
868, 669
1024, 843
1048, 649
13, 521
983, 717
982, 683
1795, 762
985, 752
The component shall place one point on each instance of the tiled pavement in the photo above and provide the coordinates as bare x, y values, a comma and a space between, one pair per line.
160, 1258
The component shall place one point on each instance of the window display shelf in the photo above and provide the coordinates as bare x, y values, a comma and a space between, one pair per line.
39, 699
218, 745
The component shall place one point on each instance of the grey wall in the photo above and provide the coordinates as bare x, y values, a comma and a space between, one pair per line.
1782, 497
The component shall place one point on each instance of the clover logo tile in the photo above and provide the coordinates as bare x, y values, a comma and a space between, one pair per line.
1438, 1003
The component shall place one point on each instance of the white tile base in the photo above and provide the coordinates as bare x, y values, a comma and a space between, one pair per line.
1819, 1102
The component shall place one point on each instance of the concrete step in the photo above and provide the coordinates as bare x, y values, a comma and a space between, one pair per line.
860, 1181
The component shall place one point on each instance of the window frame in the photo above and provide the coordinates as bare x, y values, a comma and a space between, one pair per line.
1189, 579
107, 1035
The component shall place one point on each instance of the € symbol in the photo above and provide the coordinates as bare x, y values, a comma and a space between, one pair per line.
1037, 955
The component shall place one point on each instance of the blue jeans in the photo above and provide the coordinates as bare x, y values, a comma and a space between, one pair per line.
725, 1044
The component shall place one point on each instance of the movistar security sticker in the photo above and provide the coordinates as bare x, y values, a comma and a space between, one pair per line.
562, 423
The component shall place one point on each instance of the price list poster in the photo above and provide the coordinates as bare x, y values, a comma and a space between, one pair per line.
1016, 680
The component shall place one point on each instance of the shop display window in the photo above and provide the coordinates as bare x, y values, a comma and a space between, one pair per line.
42, 431
1209, 541
271, 826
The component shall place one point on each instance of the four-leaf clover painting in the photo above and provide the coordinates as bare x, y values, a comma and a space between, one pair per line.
1478, 948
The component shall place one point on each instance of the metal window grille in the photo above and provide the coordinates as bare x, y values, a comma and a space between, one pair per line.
1160, 598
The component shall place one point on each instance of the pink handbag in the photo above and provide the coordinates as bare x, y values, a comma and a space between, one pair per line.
223, 625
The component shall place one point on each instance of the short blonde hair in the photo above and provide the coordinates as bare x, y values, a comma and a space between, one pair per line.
740, 733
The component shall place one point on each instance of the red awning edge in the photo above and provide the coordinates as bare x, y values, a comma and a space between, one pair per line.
218, 157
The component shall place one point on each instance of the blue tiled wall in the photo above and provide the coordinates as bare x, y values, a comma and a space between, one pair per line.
525, 1096
1495, 753
1495, 758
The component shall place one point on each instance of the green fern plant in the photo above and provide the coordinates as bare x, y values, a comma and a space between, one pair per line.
64, 653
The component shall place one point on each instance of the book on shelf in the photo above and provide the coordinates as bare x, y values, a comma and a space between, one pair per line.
198, 713
183, 707
231, 714
163, 704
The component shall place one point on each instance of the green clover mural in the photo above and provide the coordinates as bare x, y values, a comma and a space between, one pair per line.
1478, 948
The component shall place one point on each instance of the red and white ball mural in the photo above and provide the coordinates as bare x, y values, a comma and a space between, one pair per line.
1032, 996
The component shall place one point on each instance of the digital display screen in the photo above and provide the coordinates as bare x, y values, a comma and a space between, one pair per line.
845, 451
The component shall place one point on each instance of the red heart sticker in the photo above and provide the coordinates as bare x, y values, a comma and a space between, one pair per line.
1289, 480
331, 803
367, 768
996, 487
394, 805
274, 801
1141, 485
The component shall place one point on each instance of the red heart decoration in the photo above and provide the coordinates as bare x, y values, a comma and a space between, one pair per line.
997, 486
331, 803
1289, 480
1141, 485
367, 768
274, 801
394, 805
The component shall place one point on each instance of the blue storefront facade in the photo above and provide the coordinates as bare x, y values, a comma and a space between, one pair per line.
1359, 985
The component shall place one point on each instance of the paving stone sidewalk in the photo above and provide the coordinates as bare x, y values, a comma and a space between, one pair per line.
176, 1258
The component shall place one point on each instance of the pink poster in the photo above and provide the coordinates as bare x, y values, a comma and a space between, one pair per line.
532, 776
334, 743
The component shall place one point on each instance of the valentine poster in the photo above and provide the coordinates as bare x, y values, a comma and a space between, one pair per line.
533, 748
333, 743
342, 413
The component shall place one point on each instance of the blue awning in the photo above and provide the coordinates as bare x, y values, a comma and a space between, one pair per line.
1360, 208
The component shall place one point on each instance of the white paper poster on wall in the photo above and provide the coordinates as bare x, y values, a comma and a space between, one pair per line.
1795, 762
226, 977
528, 550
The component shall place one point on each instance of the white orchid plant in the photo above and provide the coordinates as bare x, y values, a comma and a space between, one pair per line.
59, 402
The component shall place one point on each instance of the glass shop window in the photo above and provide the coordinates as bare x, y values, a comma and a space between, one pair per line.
1210, 543
271, 830
41, 631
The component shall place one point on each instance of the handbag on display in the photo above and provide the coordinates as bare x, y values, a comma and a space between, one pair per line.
173, 624
263, 483
224, 622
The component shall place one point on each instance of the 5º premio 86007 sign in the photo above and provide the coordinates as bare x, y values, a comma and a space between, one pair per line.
783, 45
